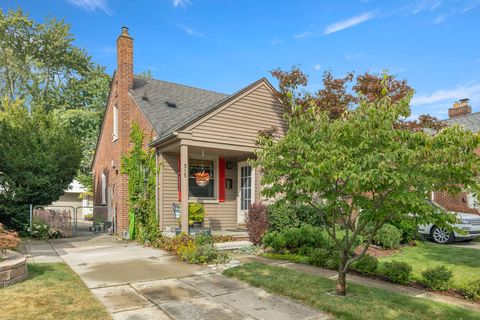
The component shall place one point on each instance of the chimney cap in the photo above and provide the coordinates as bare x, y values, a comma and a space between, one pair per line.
464, 100
125, 31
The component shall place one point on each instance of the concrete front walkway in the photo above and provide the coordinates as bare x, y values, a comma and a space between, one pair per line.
134, 282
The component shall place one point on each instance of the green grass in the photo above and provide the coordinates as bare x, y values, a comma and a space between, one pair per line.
297, 258
361, 302
464, 262
52, 291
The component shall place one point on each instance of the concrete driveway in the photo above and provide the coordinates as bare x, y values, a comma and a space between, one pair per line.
134, 282
471, 245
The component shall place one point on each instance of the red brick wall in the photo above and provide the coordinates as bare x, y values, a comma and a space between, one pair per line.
107, 149
458, 203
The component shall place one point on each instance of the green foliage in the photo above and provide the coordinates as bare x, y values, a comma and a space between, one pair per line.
88, 217
297, 258
472, 290
294, 239
196, 212
40, 64
438, 278
364, 167
397, 271
195, 250
388, 236
283, 215
409, 228
140, 167
366, 265
38, 160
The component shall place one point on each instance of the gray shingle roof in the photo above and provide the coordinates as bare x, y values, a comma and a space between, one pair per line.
470, 121
169, 106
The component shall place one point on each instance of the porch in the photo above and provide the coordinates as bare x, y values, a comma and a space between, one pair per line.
217, 175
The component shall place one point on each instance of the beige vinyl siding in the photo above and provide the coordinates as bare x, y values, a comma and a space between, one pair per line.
220, 216
240, 122
169, 189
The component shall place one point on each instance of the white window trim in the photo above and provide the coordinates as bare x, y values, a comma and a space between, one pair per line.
214, 199
104, 189
115, 123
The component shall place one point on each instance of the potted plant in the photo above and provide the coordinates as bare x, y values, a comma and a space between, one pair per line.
196, 214
202, 178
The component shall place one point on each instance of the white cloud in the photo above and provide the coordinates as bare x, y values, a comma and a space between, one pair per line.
317, 67
471, 5
448, 95
180, 3
92, 5
348, 23
423, 5
191, 32
276, 41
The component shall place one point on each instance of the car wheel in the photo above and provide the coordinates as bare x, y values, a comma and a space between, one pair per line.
442, 236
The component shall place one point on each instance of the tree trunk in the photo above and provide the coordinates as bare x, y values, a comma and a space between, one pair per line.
341, 287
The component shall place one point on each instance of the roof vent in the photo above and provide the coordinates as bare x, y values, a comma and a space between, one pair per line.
144, 96
170, 104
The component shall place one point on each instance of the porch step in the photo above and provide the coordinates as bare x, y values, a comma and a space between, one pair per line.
233, 245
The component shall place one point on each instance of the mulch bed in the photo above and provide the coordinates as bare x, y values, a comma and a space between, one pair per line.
377, 252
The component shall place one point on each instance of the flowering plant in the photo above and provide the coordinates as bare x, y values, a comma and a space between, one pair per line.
202, 176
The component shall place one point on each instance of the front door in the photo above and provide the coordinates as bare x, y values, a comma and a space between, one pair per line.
246, 190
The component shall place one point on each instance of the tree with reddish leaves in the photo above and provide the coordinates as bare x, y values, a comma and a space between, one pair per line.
341, 94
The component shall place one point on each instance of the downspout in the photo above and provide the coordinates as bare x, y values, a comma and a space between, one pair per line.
156, 189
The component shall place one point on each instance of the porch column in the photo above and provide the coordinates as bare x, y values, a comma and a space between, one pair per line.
184, 187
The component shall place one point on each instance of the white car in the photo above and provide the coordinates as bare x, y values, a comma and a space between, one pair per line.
469, 223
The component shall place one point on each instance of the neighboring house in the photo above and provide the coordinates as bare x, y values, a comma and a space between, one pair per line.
460, 114
75, 196
192, 130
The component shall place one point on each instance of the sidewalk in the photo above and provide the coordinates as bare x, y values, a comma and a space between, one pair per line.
135, 282
331, 274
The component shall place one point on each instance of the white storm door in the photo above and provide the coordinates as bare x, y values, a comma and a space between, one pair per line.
246, 190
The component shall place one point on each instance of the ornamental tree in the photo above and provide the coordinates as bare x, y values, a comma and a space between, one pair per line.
360, 169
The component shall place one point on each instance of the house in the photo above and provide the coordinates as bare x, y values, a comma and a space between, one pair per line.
461, 114
192, 130
75, 197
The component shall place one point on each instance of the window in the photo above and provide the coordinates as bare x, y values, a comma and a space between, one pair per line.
201, 178
104, 188
115, 123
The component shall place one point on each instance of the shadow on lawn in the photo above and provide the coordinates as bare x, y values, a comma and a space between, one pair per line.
38, 270
450, 255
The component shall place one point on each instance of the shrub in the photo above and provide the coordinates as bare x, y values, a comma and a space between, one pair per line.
198, 250
88, 217
8, 240
409, 229
257, 222
196, 212
438, 278
293, 239
472, 290
388, 236
284, 215
318, 257
297, 258
366, 265
398, 272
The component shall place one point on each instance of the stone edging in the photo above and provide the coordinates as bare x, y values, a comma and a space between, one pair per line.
13, 269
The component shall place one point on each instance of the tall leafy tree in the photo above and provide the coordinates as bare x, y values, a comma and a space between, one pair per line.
40, 65
38, 159
356, 162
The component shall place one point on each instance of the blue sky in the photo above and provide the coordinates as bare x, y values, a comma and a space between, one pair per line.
225, 45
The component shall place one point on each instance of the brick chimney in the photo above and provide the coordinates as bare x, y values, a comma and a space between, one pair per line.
460, 108
125, 60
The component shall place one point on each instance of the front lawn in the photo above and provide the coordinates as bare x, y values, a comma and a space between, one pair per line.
52, 291
361, 303
464, 262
